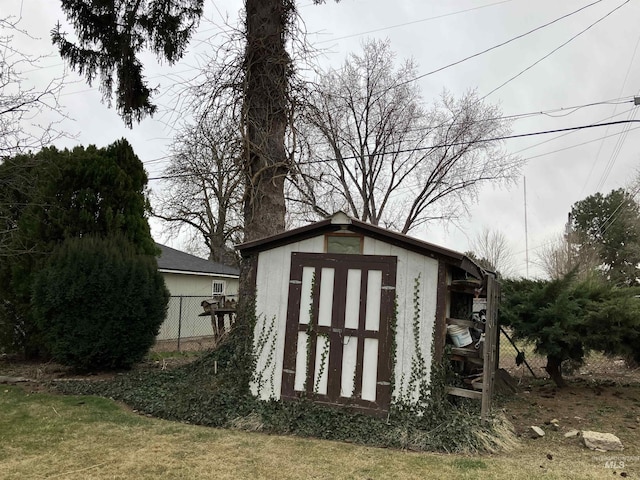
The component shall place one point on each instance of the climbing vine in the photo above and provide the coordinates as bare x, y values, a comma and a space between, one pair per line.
266, 340
418, 378
311, 331
393, 347
323, 361
418, 369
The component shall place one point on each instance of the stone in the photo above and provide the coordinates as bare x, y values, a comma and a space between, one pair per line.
601, 441
536, 432
572, 434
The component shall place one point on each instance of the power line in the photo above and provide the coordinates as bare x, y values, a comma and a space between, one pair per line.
515, 116
556, 49
445, 145
576, 145
616, 151
454, 63
624, 82
621, 140
422, 20
513, 39
569, 133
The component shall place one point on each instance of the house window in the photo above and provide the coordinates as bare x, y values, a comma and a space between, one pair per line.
217, 288
344, 243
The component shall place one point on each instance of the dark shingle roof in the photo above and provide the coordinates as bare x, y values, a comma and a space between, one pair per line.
339, 220
177, 261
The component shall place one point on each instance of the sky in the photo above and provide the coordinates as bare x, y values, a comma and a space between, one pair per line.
581, 70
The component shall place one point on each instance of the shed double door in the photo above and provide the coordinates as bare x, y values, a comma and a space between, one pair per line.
338, 335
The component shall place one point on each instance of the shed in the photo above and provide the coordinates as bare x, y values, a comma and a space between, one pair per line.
348, 313
190, 280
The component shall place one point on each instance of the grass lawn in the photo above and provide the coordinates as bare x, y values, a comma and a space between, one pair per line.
45, 436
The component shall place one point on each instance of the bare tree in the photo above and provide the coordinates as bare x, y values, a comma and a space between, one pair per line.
23, 106
204, 187
560, 255
204, 182
377, 152
491, 248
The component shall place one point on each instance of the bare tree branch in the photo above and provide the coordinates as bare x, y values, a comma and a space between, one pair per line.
205, 188
23, 106
376, 151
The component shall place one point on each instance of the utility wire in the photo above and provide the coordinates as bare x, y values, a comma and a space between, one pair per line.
576, 145
446, 145
569, 133
616, 151
624, 83
518, 37
556, 49
515, 116
422, 20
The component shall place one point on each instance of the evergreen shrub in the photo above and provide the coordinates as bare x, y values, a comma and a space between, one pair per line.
99, 303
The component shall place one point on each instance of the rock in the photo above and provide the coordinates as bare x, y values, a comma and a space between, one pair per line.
601, 441
536, 432
572, 434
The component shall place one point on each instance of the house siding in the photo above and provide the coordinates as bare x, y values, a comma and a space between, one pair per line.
183, 316
196, 285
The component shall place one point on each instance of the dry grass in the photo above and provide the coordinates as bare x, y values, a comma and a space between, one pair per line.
44, 436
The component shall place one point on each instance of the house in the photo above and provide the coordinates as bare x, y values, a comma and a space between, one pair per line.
353, 314
191, 280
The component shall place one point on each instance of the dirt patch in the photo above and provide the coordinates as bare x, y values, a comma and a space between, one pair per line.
39, 374
604, 406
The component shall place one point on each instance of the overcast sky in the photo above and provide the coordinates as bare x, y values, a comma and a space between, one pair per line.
600, 66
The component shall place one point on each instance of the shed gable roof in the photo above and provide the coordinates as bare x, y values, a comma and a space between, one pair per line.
341, 221
172, 260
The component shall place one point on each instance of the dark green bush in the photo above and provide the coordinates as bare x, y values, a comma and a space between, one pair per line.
98, 303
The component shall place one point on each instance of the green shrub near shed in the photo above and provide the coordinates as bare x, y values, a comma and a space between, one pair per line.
99, 303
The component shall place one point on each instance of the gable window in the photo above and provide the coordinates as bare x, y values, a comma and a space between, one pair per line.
349, 243
217, 288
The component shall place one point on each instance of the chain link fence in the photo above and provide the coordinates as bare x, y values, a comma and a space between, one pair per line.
520, 360
184, 328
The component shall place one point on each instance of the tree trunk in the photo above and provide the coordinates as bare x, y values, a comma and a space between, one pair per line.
267, 70
553, 369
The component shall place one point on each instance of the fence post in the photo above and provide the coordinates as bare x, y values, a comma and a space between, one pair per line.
179, 321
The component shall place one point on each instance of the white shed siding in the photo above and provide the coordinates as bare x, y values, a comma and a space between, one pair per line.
272, 279
410, 266
272, 298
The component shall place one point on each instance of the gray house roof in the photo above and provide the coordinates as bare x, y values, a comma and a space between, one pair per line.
175, 261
